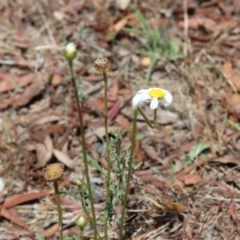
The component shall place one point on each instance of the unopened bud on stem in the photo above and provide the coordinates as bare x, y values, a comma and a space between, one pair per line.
81, 222
70, 51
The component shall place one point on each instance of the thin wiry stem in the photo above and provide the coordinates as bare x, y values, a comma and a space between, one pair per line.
129, 172
79, 110
154, 125
106, 218
57, 196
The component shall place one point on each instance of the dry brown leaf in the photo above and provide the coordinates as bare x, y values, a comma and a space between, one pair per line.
173, 207
227, 159
233, 213
122, 121
229, 73
10, 82
57, 80
44, 152
32, 91
50, 231
63, 158
117, 27
196, 22
114, 111
22, 198
113, 92
192, 179
14, 217
6, 103
234, 105
93, 78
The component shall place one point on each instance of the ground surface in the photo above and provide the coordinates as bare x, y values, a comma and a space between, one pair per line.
188, 184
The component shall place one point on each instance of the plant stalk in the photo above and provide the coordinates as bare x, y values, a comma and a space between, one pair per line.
79, 110
154, 125
106, 217
128, 173
57, 196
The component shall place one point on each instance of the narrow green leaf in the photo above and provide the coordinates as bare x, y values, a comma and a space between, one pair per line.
138, 165
72, 238
39, 237
235, 125
140, 136
197, 149
94, 163
119, 135
64, 190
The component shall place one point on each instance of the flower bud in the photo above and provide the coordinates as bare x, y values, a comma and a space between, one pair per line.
102, 65
81, 222
53, 172
78, 183
70, 51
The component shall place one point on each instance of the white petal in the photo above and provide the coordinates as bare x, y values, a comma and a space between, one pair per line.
167, 98
71, 47
139, 98
154, 103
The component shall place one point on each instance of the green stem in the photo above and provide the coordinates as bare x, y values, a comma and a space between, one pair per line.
79, 110
83, 202
154, 125
106, 217
129, 172
155, 118
81, 234
57, 196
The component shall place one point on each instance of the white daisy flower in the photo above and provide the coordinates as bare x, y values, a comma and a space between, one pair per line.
154, 96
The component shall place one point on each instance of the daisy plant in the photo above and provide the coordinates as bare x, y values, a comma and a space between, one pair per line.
118, 161
70, 53
155, 96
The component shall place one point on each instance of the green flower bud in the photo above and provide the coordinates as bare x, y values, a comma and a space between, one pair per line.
78, 183
70, 51
81, 222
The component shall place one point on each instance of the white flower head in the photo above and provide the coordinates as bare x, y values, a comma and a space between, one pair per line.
71, 48
154, 96
70, 51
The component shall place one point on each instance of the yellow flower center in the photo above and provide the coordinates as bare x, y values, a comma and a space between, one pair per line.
156, 93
